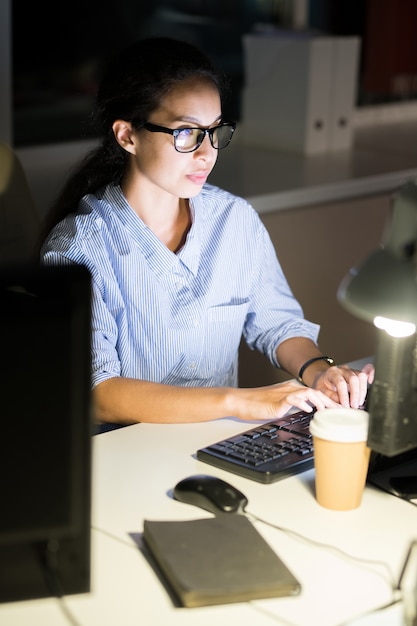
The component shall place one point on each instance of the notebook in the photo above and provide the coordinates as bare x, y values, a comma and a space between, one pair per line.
217, 560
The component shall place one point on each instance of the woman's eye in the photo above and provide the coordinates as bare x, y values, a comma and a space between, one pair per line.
185, 132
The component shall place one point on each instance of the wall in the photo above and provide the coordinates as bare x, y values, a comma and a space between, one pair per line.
316, 247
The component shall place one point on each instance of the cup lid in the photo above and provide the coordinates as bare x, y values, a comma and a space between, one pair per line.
340, 424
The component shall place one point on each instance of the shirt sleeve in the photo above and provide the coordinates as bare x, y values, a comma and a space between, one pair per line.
274, 313
105, 361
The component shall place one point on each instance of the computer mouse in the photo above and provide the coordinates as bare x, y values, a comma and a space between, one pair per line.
210, 493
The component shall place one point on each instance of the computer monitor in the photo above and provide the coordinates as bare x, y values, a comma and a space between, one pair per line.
46, 427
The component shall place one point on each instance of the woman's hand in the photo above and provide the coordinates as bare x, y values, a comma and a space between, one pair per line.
276, 400
344, 385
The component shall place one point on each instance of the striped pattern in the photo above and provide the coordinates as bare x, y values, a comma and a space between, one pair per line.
178, 318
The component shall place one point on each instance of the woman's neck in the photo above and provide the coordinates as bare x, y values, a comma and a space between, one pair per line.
168, 217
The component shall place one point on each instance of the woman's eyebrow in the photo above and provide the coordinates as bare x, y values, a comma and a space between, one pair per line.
194, 120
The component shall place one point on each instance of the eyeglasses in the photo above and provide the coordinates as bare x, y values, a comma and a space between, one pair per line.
189, 139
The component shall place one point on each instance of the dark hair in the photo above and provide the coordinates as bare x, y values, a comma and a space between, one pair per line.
132, 86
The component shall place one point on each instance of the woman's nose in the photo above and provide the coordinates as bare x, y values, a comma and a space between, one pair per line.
205, 148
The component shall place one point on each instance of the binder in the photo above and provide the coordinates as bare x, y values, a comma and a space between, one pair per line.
300, 91
345, 62
287, 94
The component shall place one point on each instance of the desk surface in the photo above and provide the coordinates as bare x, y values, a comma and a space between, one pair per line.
134, 471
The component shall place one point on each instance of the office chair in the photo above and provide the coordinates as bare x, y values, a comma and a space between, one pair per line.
19, 220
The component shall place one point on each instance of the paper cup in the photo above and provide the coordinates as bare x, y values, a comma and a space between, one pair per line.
341, 457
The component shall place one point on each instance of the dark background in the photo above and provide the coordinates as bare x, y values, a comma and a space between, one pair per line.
59, 48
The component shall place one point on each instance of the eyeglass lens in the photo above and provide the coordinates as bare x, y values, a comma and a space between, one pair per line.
189, 138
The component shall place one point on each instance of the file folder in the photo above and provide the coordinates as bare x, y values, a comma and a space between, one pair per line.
345, 61
300, 91
287, 93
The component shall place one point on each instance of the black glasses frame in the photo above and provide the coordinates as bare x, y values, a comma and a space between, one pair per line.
154, 128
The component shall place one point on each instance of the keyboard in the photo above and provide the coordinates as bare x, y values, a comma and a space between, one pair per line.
268, 452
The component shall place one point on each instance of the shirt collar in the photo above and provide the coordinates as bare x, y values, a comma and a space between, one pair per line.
153, 249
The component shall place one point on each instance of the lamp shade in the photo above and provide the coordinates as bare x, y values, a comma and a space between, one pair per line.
386, 283
383, 285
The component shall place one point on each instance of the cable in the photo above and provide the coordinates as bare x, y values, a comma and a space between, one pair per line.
47, 554
399, 594
383, 607
326, 546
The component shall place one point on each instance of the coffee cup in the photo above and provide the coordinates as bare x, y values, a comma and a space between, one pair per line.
341, 456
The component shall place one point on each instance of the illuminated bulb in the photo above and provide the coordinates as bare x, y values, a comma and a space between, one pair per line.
394, 327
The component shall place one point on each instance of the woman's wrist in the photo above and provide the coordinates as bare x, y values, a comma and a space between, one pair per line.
313, 368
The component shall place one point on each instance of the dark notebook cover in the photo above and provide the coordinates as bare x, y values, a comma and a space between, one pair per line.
217, 560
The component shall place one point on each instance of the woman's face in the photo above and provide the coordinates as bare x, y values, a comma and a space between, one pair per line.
194, 103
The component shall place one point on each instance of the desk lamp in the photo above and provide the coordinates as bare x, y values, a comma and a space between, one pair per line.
383, 290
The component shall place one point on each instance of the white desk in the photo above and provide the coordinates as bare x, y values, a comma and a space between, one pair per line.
135, 468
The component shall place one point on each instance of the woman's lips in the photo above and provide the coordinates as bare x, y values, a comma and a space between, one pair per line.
198, 178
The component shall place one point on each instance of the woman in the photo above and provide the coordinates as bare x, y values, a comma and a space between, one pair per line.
180, 269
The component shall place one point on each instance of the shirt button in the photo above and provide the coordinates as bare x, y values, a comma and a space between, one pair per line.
196, 322
193, 365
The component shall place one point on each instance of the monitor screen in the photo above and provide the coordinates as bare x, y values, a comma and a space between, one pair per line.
45, 445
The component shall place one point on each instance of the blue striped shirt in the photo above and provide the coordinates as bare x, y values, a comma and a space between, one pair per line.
178, 318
